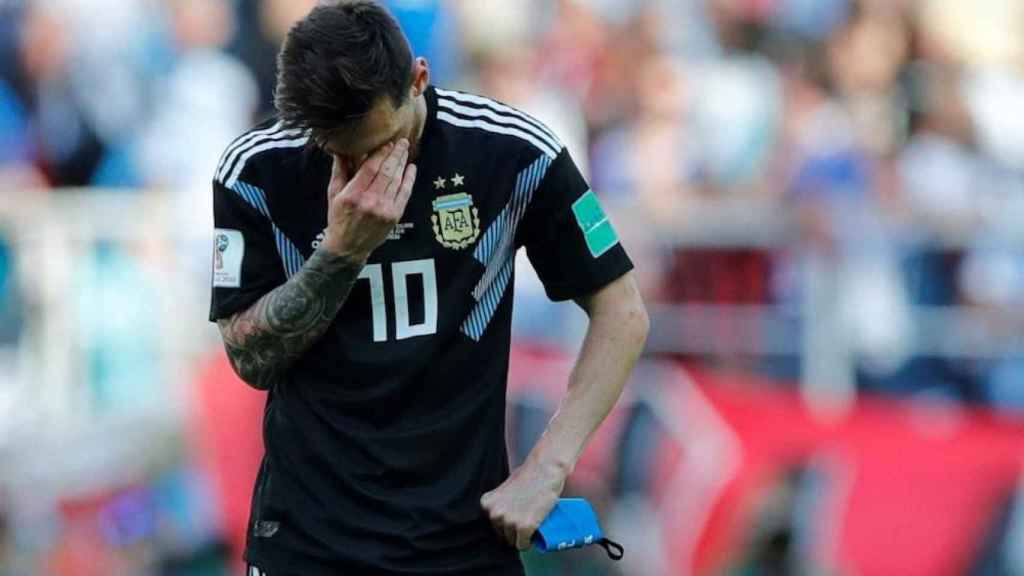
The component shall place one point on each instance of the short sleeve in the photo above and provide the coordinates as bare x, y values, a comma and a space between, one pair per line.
246, 265
568, 237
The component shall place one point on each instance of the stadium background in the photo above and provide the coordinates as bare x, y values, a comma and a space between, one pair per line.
824, 198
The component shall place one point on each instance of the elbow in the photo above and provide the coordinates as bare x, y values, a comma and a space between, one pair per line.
629, 318
620, 309
256, 377
639, 322
256, 381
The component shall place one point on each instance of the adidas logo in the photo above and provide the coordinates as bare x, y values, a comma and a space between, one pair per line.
395, 234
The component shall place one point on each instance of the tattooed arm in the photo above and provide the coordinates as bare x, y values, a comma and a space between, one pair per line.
268, 337
265, 340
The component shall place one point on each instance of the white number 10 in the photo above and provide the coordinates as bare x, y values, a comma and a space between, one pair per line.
400, 271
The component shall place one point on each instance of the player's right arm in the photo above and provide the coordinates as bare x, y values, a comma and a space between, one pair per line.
265, 339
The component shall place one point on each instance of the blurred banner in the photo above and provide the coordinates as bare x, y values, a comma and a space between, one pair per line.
725, 474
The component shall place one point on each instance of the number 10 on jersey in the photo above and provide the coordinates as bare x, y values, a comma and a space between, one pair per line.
400, 272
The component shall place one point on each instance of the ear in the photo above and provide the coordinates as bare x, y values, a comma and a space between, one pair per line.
420, 77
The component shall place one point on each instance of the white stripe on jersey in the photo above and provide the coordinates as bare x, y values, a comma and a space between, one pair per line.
499, 107
496, 129
504, 118
238, 143
250, 152
246, 142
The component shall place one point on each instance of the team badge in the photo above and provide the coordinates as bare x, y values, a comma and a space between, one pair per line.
456, 220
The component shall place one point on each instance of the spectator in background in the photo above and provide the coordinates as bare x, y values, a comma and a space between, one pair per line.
65, 143
433, 32
16, 168
262, 25
207, 96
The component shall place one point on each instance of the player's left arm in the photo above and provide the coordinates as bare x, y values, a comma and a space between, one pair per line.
574, 248
615, 338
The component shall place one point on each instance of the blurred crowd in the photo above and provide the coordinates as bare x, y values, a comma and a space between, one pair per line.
879, 141
883, 132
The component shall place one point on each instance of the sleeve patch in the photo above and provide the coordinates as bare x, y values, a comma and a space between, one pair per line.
593, 222
228, 252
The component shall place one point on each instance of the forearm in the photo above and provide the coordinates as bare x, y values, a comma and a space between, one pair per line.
613, 344
273, 333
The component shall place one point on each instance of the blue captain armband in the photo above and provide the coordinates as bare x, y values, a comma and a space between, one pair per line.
572, 523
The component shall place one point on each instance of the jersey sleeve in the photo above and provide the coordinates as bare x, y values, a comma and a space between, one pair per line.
568, 237
246, 264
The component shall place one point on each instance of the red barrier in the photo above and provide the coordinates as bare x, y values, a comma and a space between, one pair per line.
229, 443
909, 490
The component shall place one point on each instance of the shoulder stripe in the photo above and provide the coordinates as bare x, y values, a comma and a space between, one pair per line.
291, 257
496, 129
505, 119
250, 152
473, 100
231, 162
254, 196
248, 141
242, 141
229, 168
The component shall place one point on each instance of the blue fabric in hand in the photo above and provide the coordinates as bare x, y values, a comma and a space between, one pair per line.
572, 523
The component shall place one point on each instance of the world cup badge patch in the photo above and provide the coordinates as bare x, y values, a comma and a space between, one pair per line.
456, 220
228, 253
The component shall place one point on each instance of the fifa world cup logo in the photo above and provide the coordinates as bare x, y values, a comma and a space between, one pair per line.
218, 254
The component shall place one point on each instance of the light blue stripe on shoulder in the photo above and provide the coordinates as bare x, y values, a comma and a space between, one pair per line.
291, 257
253, 195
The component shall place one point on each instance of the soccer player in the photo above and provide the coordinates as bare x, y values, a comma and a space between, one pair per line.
363, 265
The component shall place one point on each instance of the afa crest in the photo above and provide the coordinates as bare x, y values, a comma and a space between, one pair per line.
456, 221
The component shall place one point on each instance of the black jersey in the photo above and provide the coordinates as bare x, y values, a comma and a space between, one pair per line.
381, 439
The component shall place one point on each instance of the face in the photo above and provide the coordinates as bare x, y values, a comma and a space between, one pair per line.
382, 125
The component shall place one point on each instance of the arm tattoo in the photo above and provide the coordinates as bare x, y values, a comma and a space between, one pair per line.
266, 339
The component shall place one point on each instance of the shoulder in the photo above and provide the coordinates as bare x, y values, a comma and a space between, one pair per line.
508, 125
267, 144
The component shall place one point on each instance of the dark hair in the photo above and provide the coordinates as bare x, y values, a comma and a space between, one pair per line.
337, 62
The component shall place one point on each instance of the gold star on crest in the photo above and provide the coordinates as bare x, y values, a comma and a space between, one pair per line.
439, 184
458, 180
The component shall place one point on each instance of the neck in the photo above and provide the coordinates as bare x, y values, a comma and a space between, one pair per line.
419, 125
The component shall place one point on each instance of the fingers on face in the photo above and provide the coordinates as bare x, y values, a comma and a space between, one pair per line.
405, 189
339, 176
394, 171
391, 170
370, 169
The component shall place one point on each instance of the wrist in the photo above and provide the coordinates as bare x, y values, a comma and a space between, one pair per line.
550, 463
333, 248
